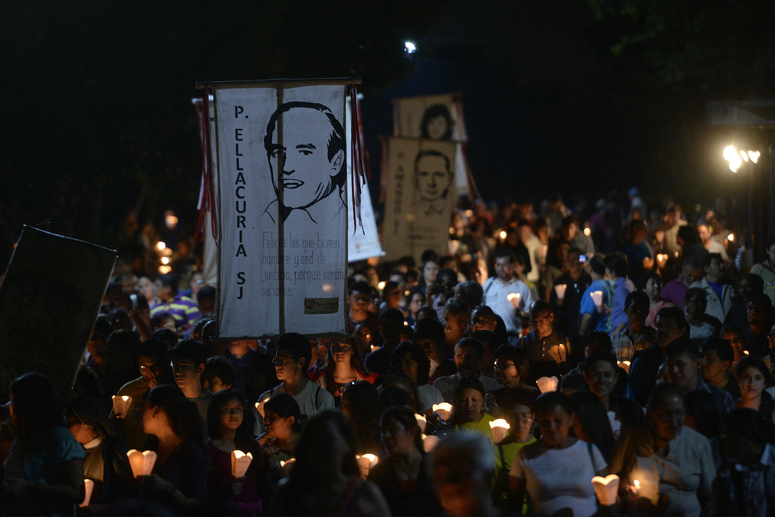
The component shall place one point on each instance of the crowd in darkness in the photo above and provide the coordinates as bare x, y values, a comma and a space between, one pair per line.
618, 340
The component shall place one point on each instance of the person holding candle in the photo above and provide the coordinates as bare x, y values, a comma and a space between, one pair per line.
325, 479
106, 463
229, 425
283, 422
179, 475
429, 334
671, 464
594, 315
44, 467
556, 471
653, 289
518, 409
545, 347
403, 474
469, 415
497, 291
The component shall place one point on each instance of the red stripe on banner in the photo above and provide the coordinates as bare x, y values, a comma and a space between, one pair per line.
356, 159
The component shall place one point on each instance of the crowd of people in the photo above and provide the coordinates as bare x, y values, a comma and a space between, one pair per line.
621, 342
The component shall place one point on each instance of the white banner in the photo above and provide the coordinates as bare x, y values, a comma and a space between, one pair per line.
283, 214
419, 198
435, 117
363, 241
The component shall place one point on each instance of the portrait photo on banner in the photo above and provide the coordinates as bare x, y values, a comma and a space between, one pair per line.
282, 176
420, 196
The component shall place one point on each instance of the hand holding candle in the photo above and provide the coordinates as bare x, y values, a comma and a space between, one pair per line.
365, 463
121, 405
240, 463
88, 484
500, 428
606, 489
444, 410
141, 462
547, 384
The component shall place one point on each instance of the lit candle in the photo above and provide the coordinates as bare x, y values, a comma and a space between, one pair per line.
547, 384
240, 463
597, 297
141, 462
500, 429
429, 442
606, 488
421, 421
444, 409
513, 298
121, 405
89, 486
365, 463
559, 289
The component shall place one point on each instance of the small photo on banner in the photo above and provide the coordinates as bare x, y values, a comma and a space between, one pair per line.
282, 167
436, 117
49, 300
419, 196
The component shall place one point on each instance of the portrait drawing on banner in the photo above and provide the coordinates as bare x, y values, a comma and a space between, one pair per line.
307, 165
433, 177
436, 123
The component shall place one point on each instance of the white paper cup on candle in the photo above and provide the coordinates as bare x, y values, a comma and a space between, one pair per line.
606, 489
88, 485
597, 297
444, 409
500, 428
421, 422
547, 384
513, 298
240, 463
365, 463
121, 405
625, 365
287, 465
429, 442
559, 290
141, 462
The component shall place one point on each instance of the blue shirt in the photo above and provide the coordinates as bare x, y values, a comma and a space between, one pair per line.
600, 321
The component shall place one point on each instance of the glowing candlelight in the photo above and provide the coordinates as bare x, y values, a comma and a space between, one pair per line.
240, 463
606, 488
500, 428
121, 405
141, 462
587, 231
89, 486
731, 237
559, 290
597, 297
421, 421
287, 465
366, 462
444, 409
625, 365
547, 384
503, 235
513, 298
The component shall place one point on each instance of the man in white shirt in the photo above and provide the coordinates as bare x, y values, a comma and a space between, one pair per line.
505, 294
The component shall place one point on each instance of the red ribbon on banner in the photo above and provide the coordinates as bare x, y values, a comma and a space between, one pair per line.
356, 159
206, 194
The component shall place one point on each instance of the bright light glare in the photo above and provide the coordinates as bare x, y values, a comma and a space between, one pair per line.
381, 286
165, 260
744, 156
587, 232
754, 155
503, 235
164, 269
730, 152
731, 237
409, 47
160, 245
735, 163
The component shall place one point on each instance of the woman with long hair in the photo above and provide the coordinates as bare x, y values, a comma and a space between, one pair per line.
754, 378
106, 463
230, 424
403, 474
325, 479
180, 473
44, 467
283, 423
344, 366
409, 359
590, 422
